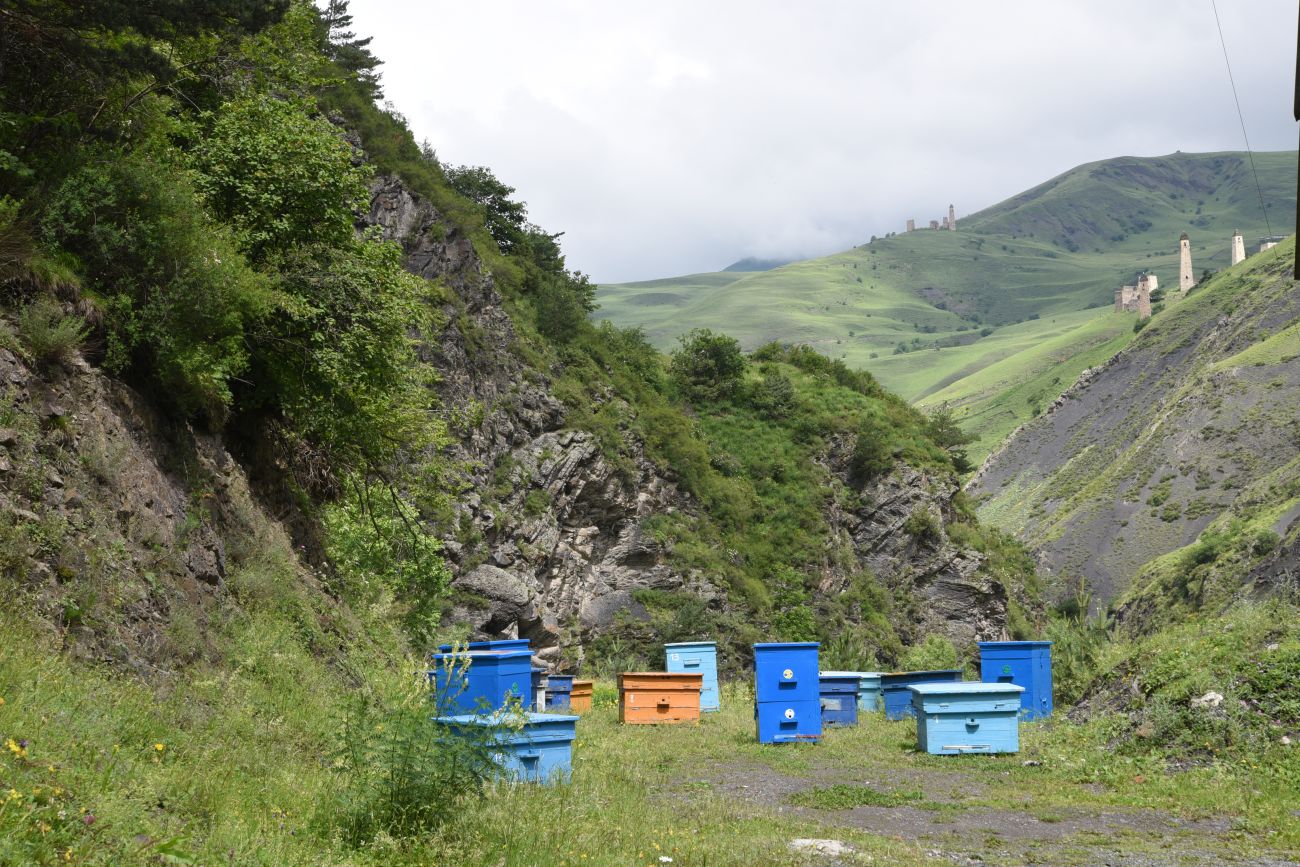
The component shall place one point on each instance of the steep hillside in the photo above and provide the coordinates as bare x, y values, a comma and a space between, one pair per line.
1189, 437
925, 310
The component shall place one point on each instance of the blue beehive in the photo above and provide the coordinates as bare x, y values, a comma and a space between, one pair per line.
478, 681
541, 751
868, 688
1024, 663
953, 718
696, 657
894, 688
558, 688
838, 695
787, 706
496, 644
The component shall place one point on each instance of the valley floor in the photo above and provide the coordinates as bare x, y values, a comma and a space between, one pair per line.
709, 794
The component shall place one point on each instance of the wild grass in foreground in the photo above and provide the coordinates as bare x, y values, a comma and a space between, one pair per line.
239, 765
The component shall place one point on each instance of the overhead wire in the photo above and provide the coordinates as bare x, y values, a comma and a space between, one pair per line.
1240, 117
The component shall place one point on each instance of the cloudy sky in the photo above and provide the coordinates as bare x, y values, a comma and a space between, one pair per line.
670, 137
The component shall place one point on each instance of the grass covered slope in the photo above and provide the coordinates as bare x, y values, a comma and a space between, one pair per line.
1189, 432
926, 309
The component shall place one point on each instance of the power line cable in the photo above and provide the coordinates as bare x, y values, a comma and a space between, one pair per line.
1259, 189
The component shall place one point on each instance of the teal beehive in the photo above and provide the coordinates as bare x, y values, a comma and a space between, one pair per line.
696, 657
868, 688
956, 718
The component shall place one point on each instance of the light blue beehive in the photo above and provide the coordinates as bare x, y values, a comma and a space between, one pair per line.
539, 751
967, 717
697, 657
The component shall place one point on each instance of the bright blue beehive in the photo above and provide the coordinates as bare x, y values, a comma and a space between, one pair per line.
539, 752
786, 702
838, 695
496, 644
954, 718
697, 657
558, 688
1024, 663
489, 680
894, 688
868, 688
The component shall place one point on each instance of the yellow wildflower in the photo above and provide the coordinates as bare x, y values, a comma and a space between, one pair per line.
159, 747
19, 750
14, 795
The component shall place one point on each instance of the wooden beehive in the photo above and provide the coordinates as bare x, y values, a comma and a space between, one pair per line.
659, 697
580, 696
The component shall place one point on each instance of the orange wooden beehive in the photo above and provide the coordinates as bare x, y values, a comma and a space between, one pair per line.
659, 697
580, 696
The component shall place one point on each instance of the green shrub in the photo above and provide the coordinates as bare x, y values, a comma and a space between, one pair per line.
934, 653
873, 452
48, 334
707, 366
923, 527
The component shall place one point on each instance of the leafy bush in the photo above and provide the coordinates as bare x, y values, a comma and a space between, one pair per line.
923, 527
708, 366
873, 452
48, 334
935, 652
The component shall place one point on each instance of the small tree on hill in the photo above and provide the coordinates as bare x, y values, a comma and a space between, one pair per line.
708, 366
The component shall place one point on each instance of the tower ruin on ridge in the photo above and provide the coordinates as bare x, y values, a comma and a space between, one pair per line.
1238, 247
952, 218
1185, 280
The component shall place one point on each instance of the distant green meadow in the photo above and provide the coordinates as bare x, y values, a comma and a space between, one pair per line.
999, 317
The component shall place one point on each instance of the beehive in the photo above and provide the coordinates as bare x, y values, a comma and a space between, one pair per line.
580, 696
838, 696
539, 689
787, 707
558, 687
494, 644
480, 681
1024, 663
697, 657
539, 751
659, 697
894, 688
954, 718
868, 689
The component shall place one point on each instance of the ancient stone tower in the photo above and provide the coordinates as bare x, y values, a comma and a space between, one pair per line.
1143, 301
952, 219
911, 225
1185, 280
1238, 247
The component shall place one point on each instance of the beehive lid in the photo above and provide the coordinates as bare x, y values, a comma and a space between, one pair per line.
702, 645
965, 687
1013, 645
786, 645
476, 655
904, 675
850, 674
661, 680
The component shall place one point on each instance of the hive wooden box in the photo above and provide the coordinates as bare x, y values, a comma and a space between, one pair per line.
580, 696
648, 697
955, 718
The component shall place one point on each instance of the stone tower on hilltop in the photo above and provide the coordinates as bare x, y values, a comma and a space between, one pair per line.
911, 225
1238, 247
1185, 279
952, 218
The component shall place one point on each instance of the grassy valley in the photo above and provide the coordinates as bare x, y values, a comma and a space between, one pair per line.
926, 310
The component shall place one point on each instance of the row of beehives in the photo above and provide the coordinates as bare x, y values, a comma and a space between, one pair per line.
794, 700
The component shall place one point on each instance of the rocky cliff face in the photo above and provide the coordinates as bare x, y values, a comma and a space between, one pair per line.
1192, 423
550, 540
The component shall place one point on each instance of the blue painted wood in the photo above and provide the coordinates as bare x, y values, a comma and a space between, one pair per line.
838, 697
697, 657
480, 681
558, 688
868, 689
541, 751
1024, 663
894, 688
959, 718
495, 644
786, 692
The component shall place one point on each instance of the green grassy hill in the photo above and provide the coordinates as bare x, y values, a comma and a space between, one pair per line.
1171, 477
925, 309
